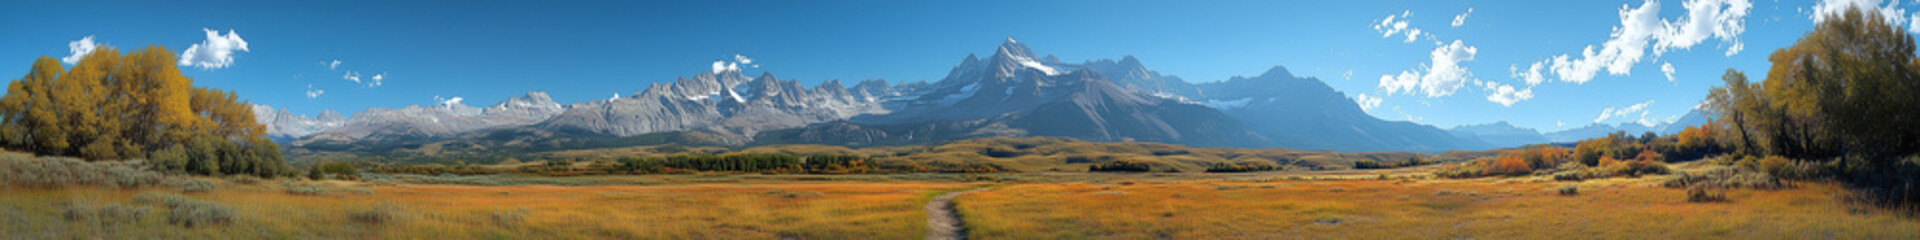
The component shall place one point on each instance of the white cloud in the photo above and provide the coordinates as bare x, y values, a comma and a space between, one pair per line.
1367, 103
723, 65
1462, 18
314, 93
1397, 24
1441, 76
1446, 74
1891, 12
1506, 96
448, 101
1559, 123
215, 52
80, 48
335, 64
377, 80
1404, 82
615, 98
1532, 75
1641, 27
351, 76
1623, 112
1348, 75
1667, 68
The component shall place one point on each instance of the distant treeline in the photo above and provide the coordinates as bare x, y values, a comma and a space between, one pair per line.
761, 163
1120, 166
1242, 167
1371, 164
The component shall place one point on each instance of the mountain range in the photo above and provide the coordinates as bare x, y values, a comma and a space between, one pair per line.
1504, 134
1011, 93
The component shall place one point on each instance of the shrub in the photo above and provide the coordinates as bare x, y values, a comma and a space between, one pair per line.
1705, 193
310, 190
1242, 167
1775, 165
1120, 166
245, 179
193, 185
1568, 189
49, 172
383, 212
110, 214
189, 212
1727, 177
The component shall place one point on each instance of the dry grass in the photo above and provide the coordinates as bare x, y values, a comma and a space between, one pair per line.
770, 210
1345, 204
1367, 209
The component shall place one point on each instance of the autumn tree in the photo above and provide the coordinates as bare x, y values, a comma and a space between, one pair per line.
137, 105
1847, 91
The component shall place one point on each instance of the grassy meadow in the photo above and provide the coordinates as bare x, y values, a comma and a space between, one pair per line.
283, 210
1418, 209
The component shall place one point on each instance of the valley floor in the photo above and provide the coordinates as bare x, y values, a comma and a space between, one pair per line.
1039, 206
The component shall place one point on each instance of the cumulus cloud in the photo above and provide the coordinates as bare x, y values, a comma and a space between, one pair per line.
1639, 109
1404, 82
1641, 28
314, 93
1397, 24
1440, 76
1532, 75
1891, 12
448, 101
377, 80
335, 64
1462, 18
215, 52
1506, 95
1367, 103
1667, 68
726, 65
351, 76
80, 48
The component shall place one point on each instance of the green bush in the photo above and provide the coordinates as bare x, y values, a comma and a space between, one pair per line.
305, 189
1706, 193
111, 214
193, 185
1120, 166
49, 172
1727, 177
188, 212
381, 213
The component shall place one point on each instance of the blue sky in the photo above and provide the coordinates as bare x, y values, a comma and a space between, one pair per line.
488, 51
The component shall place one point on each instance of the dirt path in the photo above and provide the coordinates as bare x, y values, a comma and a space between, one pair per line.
943, 220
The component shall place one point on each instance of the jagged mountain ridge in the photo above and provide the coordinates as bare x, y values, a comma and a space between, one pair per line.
419, 124
1009, 93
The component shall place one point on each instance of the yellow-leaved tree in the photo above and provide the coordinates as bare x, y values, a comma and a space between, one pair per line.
137, 105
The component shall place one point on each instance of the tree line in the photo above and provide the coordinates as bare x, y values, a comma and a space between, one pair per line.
135, 106
1845, 97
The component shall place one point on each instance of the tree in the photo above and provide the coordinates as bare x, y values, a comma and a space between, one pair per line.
138, 105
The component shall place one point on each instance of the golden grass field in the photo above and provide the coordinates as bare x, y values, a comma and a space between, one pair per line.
1292, 205
838, 210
